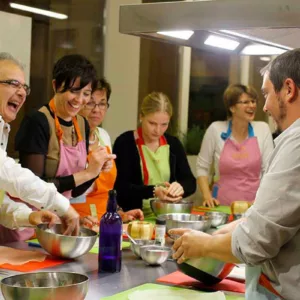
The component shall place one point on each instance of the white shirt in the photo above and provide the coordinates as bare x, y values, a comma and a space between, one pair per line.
271, 235
22, 183
212, 146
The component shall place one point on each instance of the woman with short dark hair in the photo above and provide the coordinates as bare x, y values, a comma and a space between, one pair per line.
53, 141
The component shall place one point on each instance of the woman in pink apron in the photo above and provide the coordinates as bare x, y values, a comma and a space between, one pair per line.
236, 149
53, 141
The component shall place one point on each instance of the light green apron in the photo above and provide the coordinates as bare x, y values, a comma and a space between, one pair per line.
158, 166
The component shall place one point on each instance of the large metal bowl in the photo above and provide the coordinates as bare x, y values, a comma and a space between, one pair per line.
207, 270
163, 207
57, 244
155, 255
196, 222
45, 286
217, 218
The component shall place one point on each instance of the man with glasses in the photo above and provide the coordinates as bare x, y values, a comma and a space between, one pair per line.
19, 185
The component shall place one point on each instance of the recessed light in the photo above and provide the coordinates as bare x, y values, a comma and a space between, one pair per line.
221, 42
180, 34
257, 49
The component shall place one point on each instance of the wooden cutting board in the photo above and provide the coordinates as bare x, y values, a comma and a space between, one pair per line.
148, 286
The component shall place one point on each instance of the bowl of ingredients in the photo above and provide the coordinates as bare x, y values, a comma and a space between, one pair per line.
57, 244
45, 286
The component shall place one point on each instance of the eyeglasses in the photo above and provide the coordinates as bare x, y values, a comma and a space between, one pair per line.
17, 85
101, 105
247, 102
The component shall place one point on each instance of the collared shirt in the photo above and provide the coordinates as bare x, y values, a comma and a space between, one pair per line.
270, 235
22, 183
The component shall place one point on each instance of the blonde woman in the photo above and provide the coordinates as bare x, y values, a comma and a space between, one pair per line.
151, 163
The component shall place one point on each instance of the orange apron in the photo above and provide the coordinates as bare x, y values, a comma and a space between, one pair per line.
96, 201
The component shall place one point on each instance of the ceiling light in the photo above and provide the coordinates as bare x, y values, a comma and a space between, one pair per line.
34, 10
180, 34
257, 49
255, 39
221, 42
265, 58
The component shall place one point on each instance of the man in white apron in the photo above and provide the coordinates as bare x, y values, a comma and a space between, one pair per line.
267, 240
16, 181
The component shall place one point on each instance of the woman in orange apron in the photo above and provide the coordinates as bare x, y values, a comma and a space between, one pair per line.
97, 194
53, 142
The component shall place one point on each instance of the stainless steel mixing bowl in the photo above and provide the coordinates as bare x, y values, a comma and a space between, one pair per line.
139, 243
162, 207
57, 244
217, 218
196, 222
155, 255
45, 286
207, 270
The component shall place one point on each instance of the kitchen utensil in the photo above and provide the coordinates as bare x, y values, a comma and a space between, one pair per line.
135, 248
179, 220
45, 285
154, 255
207, 270
217, 218
163, 207
57, 244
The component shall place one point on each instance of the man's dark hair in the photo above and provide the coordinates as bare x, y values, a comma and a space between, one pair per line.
103, 84
286, 65
70, 67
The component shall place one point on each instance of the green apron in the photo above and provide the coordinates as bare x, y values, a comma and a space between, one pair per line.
158, 166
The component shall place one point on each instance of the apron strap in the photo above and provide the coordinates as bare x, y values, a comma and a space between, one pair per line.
140, 142
265, 282
59, 131
227, 134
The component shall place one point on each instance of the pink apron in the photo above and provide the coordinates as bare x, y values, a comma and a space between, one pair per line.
72, 158
240, 167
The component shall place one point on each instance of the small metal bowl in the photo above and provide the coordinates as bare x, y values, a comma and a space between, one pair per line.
136, 248
57, 244
196, 222
217, 218
163, 207
154, 255
45, 285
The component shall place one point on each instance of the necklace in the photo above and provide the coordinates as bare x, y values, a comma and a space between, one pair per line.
92, 142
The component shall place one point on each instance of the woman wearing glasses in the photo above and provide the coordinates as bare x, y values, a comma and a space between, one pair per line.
97, 195
236, 149
53, 141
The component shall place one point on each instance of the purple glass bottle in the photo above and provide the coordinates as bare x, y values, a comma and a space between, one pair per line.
110, 254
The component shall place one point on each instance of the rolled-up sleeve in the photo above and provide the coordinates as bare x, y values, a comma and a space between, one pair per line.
22, 183
274, 219
13, 214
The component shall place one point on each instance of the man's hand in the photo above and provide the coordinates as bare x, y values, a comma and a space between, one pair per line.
43, 216
228, 227
70, 222
130, 215
191, 244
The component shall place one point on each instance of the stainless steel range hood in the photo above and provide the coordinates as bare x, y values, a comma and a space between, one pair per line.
272, 22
